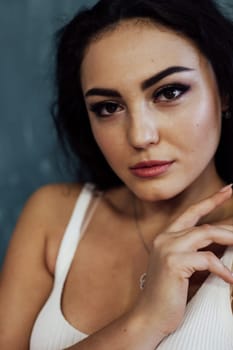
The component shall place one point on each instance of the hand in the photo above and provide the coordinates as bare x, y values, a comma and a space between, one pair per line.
175, 256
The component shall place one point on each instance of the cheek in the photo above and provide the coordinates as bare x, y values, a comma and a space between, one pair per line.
202, 132
109, 141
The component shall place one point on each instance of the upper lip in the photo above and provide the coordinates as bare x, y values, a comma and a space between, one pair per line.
150, 163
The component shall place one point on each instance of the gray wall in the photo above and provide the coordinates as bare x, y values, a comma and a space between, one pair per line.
28, 152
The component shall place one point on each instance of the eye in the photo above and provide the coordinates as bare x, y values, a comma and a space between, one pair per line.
105, 109
170, 93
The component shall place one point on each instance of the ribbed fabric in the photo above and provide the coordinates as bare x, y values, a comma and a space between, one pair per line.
208, 321
51, 331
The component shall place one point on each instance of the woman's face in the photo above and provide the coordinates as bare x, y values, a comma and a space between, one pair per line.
154, 108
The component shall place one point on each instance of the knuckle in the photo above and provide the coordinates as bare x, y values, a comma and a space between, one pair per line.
210, 257
170, 261
207, 233
158, 241
207, 228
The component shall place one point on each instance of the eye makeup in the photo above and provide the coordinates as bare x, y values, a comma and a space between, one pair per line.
170, 92
105, 108
165, 94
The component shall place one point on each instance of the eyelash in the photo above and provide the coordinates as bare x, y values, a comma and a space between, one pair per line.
98, 107
182, 88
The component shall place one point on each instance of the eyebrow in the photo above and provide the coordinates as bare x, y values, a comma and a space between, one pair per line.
144, 85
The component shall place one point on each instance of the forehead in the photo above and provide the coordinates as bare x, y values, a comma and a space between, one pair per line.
134, 50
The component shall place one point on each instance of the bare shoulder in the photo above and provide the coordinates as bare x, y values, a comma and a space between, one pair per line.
26, 275
47, 208
46, 211
50, 209
51, 200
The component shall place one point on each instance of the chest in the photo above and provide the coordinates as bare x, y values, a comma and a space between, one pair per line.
103, 284
103, 280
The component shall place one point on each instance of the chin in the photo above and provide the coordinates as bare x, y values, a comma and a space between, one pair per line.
159, 190
154, 193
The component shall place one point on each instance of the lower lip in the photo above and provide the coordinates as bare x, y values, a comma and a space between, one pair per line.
154, 171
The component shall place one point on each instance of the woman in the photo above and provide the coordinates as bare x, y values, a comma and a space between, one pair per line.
143, 258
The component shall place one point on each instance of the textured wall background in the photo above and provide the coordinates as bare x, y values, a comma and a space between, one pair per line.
28, 151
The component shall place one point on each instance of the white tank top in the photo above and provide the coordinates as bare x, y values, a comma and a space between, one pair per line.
208, 320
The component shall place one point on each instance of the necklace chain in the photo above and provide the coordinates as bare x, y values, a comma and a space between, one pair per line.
142, 279
138, 229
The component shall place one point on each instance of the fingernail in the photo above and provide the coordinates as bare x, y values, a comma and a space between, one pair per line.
226, 188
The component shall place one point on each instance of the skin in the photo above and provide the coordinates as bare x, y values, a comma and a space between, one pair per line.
180, 212
146, 129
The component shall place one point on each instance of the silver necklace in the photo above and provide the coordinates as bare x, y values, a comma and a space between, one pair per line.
142, 279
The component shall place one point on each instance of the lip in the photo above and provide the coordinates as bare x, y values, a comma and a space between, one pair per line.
152, 168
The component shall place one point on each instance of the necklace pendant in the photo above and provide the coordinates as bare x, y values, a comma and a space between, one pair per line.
142, 280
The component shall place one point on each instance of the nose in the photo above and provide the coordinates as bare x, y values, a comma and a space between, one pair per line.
143, 128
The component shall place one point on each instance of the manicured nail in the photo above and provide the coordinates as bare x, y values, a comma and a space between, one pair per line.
226, 188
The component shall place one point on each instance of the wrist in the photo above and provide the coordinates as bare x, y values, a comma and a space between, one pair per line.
146, 324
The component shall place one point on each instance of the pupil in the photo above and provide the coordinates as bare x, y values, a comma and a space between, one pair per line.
111, 108
170, 94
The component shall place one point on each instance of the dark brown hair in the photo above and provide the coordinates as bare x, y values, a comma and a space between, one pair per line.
199, 20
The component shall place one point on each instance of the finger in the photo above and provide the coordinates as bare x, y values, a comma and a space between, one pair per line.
206, 260
202, 236
195, 212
